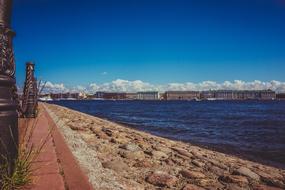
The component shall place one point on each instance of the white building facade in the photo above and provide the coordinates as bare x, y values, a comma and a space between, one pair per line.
153, 95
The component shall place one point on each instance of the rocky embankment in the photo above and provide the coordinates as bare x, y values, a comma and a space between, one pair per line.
117, 157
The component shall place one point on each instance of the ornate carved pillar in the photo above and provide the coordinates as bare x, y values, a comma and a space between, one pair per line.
30, 99
8, 90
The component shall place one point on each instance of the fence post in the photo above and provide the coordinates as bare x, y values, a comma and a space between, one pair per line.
30, 94
8, 90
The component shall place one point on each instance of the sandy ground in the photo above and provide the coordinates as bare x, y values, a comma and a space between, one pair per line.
117, 157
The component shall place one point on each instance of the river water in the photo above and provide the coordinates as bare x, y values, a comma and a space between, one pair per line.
251, 129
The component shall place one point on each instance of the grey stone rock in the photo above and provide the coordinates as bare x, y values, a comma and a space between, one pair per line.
131, 147
192, 174
216, 170
107, 131
219, 164
247, 172
237, 179
265, 187
159, 155
163, 149
198, 163
162, 179
116, 165
135, 155
192, 187
182, 152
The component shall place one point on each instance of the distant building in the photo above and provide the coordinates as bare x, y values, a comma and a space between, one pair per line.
56, 96
111, 95
131, 96
256, 95
99, 95
115, 96
65, 96
224, 95
267, 95
172, 95
207, 94
152, 95
239, 95
280, 96
251, 95
181, 95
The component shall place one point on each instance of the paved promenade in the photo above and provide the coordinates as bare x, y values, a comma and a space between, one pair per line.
55, 168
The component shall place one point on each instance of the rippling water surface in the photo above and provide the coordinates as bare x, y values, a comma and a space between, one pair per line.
251, 129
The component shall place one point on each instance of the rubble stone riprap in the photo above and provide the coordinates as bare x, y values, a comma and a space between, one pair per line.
118, 157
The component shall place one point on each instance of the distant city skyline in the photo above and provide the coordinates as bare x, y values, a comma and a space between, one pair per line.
151, 44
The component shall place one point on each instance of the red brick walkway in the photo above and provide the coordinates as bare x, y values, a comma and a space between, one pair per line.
55, 167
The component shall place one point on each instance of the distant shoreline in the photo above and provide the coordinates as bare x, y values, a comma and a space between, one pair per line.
211, 95
238, 100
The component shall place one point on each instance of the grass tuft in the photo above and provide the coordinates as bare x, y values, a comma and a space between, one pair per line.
22, 175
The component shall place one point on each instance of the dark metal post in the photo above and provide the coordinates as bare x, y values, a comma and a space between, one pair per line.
30, 95
8, 90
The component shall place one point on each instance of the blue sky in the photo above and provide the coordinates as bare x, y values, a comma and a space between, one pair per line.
156, 41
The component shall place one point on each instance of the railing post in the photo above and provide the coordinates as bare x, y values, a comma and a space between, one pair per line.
8, 90
30, 94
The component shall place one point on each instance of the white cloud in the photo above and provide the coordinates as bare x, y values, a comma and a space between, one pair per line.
120, 85
55, 88
104, 73
92, 88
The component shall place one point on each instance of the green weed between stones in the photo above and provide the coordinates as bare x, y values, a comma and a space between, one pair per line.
22, 175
